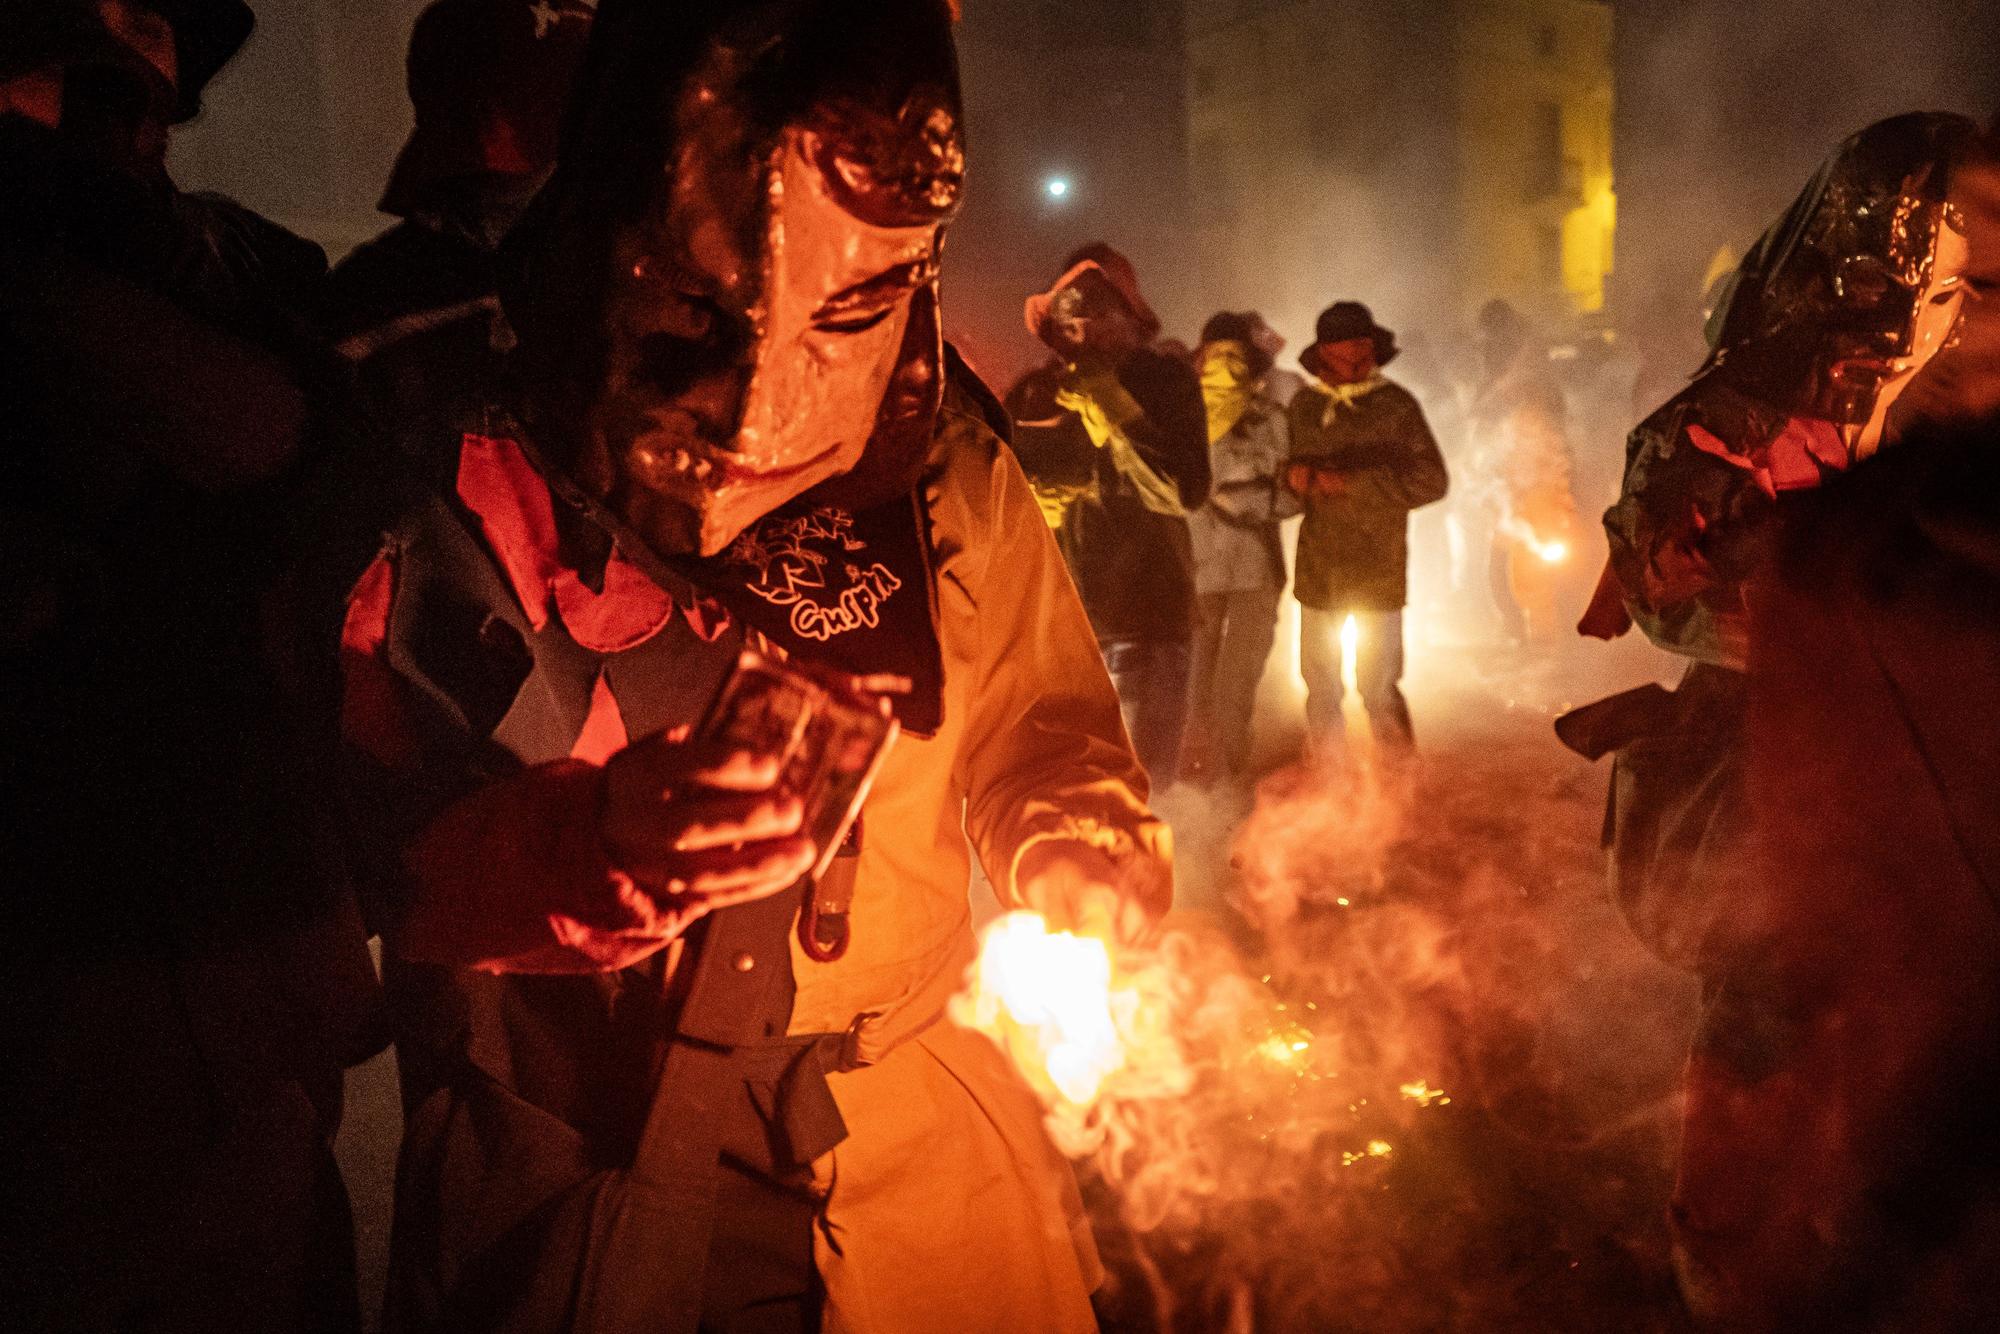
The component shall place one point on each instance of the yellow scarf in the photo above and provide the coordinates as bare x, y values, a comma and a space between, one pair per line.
1226, 387
1345, 395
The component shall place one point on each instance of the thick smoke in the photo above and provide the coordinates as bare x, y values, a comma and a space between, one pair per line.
1421, 1077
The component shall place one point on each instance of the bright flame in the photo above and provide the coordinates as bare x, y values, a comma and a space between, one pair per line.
1423, 1095
1550, 551
1049, 994
1087, 1029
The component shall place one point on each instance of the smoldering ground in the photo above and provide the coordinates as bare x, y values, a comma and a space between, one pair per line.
1431, 1076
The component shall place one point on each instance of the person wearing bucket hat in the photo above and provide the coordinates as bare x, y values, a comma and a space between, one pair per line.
416, 310
185, 974
1239, 559
1362, 458
1111, 433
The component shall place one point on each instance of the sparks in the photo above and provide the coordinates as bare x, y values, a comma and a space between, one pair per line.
1422, 1094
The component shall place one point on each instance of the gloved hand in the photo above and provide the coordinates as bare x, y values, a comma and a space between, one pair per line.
1306, 479
1328, 484
1100, 398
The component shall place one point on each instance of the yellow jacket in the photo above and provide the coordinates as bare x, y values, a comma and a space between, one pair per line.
947, 1208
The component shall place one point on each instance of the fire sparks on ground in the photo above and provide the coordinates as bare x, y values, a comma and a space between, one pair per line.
1376, 1093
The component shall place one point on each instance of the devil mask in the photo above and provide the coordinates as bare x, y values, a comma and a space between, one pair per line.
1839, 305
727, 296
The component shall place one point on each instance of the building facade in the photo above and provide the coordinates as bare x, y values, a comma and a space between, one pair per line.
1422, 155
1076, 120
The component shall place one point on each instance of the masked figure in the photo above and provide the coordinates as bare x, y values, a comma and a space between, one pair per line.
671, 1063
1851, 1182
1831, 317
418, 307
1524, 465
1111, 433
1828, 320
1239, 557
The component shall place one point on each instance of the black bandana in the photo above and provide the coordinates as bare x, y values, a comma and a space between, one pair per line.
849, 591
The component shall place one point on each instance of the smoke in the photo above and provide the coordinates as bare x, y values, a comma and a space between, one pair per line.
1419, 1077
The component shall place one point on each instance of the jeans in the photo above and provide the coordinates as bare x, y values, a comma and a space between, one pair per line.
1151, 677
1232, 642
1378, 674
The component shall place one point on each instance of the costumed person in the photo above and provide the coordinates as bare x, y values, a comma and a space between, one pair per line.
1114, 436
1523, 461
673, 1055
418, 306
186, 975
1239, 556
1362, 458
1831, 318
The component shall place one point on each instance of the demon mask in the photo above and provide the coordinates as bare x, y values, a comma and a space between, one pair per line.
1842, 303
729, 289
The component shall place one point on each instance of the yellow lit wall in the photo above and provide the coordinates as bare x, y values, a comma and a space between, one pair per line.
1342, 148
1539, 211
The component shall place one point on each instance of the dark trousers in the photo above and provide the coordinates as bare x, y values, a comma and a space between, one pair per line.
1151, 677
1233, 636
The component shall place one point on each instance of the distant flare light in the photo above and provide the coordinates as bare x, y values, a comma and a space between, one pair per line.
1056, 187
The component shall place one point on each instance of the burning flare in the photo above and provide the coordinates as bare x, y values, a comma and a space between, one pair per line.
1084, 1028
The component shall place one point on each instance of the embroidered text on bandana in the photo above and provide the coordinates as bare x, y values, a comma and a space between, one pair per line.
843, 590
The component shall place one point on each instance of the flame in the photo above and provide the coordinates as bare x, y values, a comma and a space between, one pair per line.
1550, 551
1087, 1029
1423, 1095
1048, 994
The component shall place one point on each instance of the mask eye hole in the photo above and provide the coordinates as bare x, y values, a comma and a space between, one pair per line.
667, 304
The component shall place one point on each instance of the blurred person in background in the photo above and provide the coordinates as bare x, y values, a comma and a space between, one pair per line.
416, 309
1790, 822
1113, 434
1239, 557
1362, 458
1519, 426
186, 973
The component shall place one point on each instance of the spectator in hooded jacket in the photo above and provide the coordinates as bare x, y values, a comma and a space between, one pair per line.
415, 309
1362, 458
1239, 557
1113, 434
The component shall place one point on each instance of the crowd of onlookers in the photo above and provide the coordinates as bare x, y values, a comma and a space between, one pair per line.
1169, 475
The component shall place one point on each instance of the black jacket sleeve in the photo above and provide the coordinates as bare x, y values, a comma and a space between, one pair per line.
1172, 437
